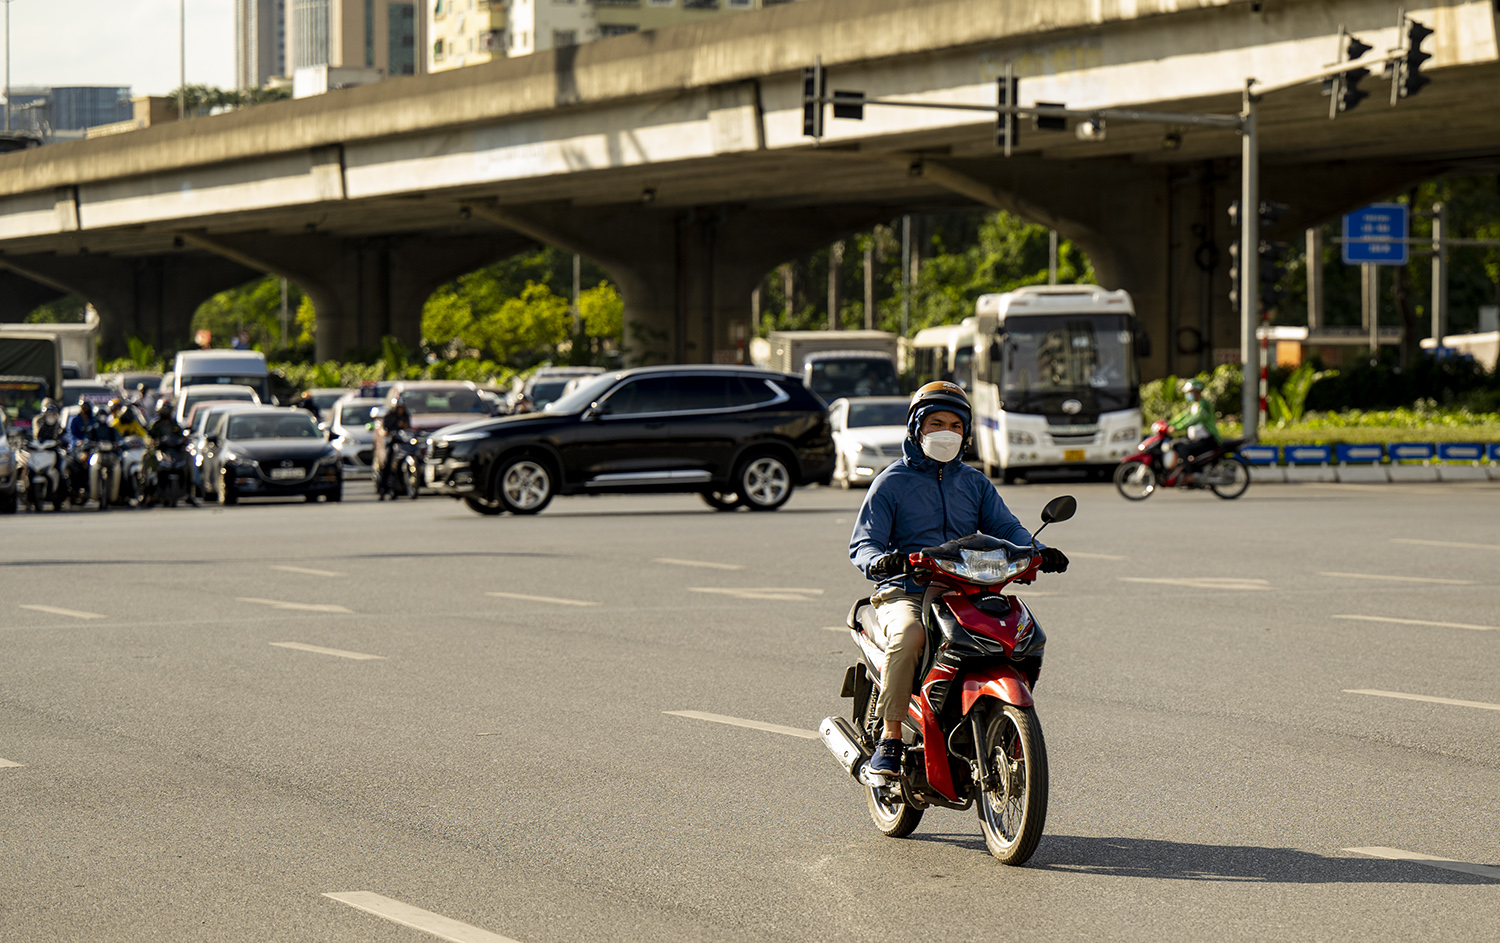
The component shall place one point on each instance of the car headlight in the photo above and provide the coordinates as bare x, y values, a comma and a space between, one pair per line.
988, 566
1125, 435
1022, 438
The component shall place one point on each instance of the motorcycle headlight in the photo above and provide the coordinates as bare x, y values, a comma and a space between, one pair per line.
988, 566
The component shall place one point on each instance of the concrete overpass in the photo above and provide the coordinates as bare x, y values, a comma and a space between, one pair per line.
676, 160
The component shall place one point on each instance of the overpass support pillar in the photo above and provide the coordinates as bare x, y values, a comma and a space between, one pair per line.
365, 289
686, 273
152, 298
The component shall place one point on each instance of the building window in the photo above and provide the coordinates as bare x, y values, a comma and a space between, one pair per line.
663, 3
437, 49
493, 41
564, 37
700, 4
607, 30
741, 4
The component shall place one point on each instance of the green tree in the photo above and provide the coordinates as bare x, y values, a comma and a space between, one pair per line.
68, 309
255, 307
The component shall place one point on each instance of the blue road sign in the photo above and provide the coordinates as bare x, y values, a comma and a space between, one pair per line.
1365, 232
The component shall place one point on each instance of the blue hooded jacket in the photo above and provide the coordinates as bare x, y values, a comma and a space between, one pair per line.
918, 502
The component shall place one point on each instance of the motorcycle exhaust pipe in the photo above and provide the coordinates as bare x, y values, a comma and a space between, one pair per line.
844, 743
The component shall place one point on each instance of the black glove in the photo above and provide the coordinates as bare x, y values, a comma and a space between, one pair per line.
892, 564
1053, 560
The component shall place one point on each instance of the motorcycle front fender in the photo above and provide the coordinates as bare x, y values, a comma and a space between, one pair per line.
1142, 457
1003, 682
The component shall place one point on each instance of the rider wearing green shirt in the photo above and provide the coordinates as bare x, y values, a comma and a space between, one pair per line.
1197, 421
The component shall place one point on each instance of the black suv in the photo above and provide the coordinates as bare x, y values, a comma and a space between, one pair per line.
736, 435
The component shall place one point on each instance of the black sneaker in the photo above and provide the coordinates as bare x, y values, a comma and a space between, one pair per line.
887, 758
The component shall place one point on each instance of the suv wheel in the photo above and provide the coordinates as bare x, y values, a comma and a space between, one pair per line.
524, 485
765, 483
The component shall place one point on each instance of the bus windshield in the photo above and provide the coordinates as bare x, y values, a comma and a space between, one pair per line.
1046, 359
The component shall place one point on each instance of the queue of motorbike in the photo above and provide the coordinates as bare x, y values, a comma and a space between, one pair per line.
106, 473
972, 732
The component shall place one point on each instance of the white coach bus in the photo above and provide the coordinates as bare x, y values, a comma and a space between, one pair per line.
1055, 379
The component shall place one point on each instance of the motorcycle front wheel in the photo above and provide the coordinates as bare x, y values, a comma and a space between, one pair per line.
1013, 808
894, 817
1230, 476
1135, 481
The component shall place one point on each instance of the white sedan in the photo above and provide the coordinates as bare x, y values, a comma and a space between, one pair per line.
867, 435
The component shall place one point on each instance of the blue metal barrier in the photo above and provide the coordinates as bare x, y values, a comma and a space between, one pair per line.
1495, 451
1411, 451
1460, 452
1359, 454
1258, 454
1308, 454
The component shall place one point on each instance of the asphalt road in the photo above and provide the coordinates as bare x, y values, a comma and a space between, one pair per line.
187, 772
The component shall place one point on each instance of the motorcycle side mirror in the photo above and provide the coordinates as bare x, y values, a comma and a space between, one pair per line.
1060, 508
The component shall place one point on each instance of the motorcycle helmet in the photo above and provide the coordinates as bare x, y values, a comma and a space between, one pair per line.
940, 395
164, 409
1192, 387
85, 408
49, 405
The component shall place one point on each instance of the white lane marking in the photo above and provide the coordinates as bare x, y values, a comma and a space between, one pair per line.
742, 722
835, 628
551, 599
1200, 582
303, 569
702, 563
1398, 579
444, 928
1445, 625
357, 656
64, 612
10, 764
304, 606
783, 594
1444, 543
1423, 697
1080, 555
1416, 857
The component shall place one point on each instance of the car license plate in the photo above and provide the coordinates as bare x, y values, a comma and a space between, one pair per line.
1073, 455
286, 473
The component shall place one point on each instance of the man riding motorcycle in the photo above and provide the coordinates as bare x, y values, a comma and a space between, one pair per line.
123, 419
928, 497
80, 433
47, 424
1197, 421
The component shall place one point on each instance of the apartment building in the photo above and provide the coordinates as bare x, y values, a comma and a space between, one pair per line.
468, 32
259, 42
358, 34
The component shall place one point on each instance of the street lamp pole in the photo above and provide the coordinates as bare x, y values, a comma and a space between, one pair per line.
181, 58
7, 66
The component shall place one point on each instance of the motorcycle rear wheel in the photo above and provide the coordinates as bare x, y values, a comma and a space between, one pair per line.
1013, 813
1235, 474
1136, 481
894, 819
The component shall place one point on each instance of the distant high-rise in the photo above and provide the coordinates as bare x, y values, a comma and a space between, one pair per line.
354, 34
259, 42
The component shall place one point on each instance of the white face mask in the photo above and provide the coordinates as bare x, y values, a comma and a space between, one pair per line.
942, 446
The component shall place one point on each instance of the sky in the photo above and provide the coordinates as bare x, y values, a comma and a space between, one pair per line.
120, 42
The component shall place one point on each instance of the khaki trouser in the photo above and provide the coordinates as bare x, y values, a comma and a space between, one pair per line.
900, 616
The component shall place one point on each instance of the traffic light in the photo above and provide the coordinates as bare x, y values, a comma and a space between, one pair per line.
1007, 128
1344, 87
1409, 79
814, 78
1272, 258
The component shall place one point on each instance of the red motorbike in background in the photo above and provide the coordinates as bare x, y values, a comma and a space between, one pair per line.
1156, 465
971, 730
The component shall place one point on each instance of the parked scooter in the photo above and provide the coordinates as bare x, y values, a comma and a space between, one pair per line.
1155, 464
43, 462
972, 730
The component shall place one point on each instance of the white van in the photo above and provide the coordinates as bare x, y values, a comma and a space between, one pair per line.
235, 367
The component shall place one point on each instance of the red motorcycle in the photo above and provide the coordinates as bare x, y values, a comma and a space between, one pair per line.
971, 729
1156, 465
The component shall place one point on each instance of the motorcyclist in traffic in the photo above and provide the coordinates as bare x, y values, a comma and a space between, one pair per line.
163, 429
77, 438
927, 498
47, 424
1197, 422
124, 419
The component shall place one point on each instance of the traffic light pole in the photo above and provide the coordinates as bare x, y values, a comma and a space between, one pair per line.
1251, 402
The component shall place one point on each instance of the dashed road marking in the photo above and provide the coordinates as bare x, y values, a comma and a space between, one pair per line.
64, 612
781, 594
552, 599
1416, 857
302, 606
752, 724
1424, 697
1200, 582
1445, 625
1383, 577
444, 928
1444, 543
1080, 555
10, 764
835, 628
702, 563
316, 649
303, 569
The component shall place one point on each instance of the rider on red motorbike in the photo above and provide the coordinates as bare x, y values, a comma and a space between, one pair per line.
1197, 421
926, 499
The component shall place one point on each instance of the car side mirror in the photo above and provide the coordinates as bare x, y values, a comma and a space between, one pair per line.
1060, 508
595, 411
